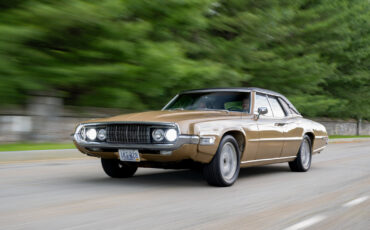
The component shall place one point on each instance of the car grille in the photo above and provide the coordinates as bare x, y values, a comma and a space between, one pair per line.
128, 134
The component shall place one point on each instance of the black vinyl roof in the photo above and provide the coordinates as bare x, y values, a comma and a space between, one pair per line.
242, 89
232, 89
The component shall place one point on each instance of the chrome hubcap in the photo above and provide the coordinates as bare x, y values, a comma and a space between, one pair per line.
228, 163
305, 153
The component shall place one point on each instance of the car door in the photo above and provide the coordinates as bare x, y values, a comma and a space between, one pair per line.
292, 131
271, 133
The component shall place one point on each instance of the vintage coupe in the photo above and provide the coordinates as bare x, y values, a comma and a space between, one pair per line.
219, 130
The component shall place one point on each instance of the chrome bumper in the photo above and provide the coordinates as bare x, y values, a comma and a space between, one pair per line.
181, 140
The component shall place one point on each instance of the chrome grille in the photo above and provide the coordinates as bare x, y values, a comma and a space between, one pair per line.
128, 134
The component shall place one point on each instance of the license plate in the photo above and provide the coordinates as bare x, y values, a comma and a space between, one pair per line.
129, 155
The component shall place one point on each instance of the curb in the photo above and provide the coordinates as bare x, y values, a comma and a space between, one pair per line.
349, 140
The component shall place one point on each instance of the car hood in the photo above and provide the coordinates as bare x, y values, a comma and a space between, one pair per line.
184, 118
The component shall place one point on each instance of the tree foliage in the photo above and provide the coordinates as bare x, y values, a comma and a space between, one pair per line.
138, 54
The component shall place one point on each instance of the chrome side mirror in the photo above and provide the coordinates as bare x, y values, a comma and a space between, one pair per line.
261, 111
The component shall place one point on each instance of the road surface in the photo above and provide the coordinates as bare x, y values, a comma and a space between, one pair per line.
76, 194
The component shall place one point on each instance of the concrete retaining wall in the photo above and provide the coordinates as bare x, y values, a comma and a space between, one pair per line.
345, 127
47, 120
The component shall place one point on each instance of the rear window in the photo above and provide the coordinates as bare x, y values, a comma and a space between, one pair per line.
287, 109
276, 107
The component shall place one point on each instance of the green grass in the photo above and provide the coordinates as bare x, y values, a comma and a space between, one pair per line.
22, 146
346, 136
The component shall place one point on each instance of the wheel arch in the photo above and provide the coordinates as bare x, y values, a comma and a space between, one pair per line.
311, 135
206, 153
239, 137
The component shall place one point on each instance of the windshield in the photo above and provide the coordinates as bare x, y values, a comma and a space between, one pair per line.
231, 101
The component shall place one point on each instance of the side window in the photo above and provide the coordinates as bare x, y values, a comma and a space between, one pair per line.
239, 103
288, 110
285, 107
247, 103
261, 101
276, 107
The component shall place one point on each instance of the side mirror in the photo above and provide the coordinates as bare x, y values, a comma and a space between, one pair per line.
261, 111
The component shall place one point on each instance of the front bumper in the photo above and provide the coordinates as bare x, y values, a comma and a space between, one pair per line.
105, 146
181, 140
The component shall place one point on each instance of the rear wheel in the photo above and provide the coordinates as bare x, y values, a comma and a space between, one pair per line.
224, 168
118, 169
302, 163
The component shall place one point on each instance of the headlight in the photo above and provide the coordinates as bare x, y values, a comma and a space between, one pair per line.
171, 135
158, 135
102, 134
91, 134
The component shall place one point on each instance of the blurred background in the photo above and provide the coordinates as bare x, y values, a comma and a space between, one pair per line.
62, 62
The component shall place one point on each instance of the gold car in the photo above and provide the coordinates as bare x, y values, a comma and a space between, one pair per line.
219, 130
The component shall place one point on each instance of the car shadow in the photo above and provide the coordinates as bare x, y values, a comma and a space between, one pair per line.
175, 178
181, 178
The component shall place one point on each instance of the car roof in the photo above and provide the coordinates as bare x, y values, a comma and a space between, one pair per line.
232, 89
242, 89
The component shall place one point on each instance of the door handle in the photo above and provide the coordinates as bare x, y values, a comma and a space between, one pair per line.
280, 124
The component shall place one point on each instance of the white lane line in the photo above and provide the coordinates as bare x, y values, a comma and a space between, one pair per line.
355, 201
306, 223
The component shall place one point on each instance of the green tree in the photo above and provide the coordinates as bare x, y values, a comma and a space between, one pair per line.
137, 54
315, 52
105, 53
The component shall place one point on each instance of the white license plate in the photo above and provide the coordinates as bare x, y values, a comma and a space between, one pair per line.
129, 155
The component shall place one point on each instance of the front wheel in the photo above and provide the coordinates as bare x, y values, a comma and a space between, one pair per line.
118, 169
302, 163
224, 168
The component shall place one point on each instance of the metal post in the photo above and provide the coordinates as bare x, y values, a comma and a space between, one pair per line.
358, 128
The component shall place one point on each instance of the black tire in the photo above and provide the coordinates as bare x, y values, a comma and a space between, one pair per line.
118, 169
298, 165
212, 171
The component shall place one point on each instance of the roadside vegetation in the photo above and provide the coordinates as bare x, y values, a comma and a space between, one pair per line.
137, 54
348, 136
24, 146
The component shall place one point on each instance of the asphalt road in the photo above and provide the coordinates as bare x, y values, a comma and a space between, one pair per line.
76, 194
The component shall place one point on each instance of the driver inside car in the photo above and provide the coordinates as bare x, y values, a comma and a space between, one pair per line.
245, 105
